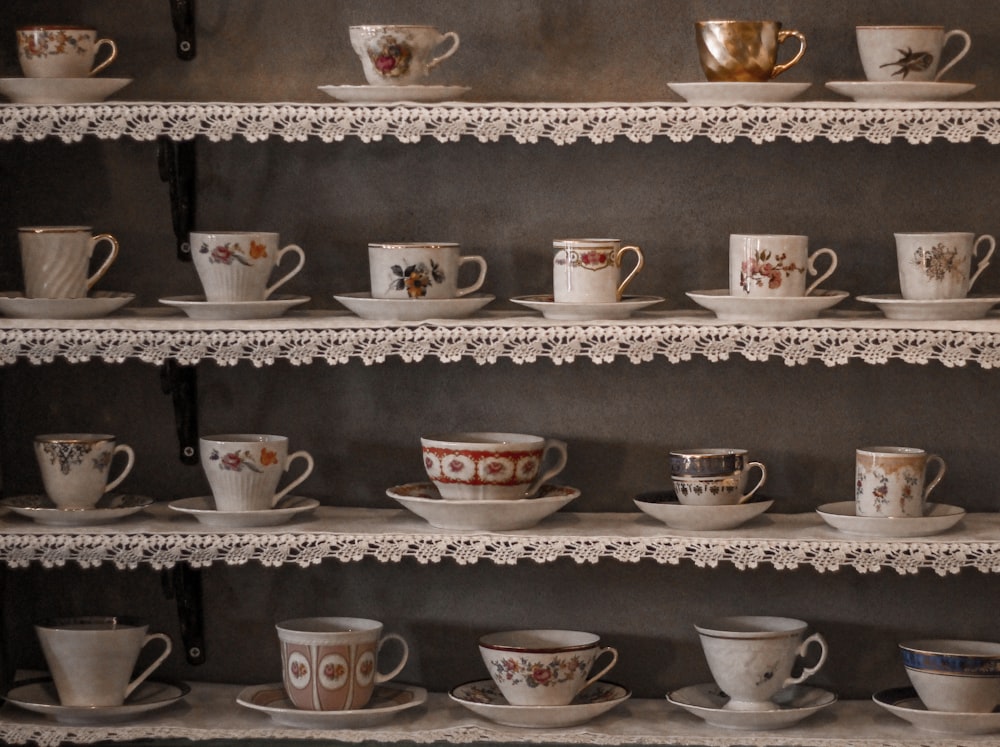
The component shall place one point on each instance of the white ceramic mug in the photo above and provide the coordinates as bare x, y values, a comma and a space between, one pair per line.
416, 270
56, 259
234, 266
890, 480
774, 266
395, 55
243, 469
937, 266
589, 270
61, 51
907, 53
75, 467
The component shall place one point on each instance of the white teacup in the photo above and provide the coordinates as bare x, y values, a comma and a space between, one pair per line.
714, 477
774, 266
890, 480
75, 467
234, 266
61, 51
417, 270
589, 270
907, 53
243, 469
56, 260
937, 266
395, 55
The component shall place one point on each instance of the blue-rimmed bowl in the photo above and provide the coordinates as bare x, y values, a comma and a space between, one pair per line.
954, 675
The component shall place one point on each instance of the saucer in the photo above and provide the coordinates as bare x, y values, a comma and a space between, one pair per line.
791, 705
423, 499
413, 309
39, 695
736, 309
97, 304
197, 307
483, 698
894, 306
903, 702
202, 508
733, 94
60, 90
111, 507
665, 507
387, 700
393, 94
582, 312
890, 91
938, 517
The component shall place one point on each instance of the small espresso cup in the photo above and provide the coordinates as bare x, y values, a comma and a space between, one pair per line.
394, 55
415, 269
589, 270
543, 667
890, 480
331, 663
713, 477
91, 659
744, 51
907, 53
774, 266
937, 266
75, 467
490, 466
61, 51
234, 266
243, 469
56, 259
751, 657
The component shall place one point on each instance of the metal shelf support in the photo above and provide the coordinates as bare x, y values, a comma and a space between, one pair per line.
182, 15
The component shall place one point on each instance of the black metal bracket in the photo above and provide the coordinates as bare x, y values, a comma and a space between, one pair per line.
177, 167
182, 15
181, 382
183, 584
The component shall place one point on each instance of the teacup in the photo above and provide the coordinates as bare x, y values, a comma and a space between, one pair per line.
61, 51
713, 477
890, 480
331, 663
937, 266
414, 269
75, 467
234, 266
744, 51
543, 667
954, 675
56, 259
751, 657
907, 53
243, 469
490, 466
774, 266
589, 270
394, 55
91, 658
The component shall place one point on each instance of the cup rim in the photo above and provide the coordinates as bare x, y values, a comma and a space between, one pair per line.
471, 440
55, 26
952, 647
391, 26
412, 244
707, 453
734, 20
243, 438
751, 626
81, 438
275, 234
899, 26
322, 625
594, 243
769, 236
891, 451
496, 641
116, 622
54, 229
900, 234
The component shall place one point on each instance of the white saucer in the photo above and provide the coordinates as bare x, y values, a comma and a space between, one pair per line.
791, 705
393, 94
60, 90
203, 509
97, 304
582, 312
111, 507
903, 702
665, 507
937, 518
736, 93
39, 695
483, 698
894, 306
423, 499
197, 307
387, 700
413, 309
736, 309
893, 91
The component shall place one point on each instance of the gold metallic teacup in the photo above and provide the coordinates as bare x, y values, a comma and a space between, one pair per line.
745, 51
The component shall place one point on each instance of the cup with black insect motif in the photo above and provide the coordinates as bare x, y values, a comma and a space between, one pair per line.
908, 53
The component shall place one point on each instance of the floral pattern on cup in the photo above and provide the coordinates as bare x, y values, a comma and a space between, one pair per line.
391, 57
53, 42
538, 672
482, 467
62, 51
939, 262
891, 481
68, 455
416, 278
589, 259
230, 252
245, 459
766, 268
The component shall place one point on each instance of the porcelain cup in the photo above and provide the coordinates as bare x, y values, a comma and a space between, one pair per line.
61, 51
244, 469
938, 266
394, 55
56, 260
416, 270
907, 53
543, 667
75, 467
331, 663
714, 477
890, 480
774, 266
957, 676
235, 266
589, 270
744, 51
91, 659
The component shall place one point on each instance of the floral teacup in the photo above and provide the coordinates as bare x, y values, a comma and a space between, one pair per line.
243, 469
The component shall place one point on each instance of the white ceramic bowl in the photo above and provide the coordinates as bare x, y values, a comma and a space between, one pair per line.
954, 675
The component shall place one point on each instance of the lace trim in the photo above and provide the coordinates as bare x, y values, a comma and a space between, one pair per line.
563, 124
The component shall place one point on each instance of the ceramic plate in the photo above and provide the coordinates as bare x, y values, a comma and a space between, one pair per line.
393, 94
938, 517
197, 307
97, 304
483, 698
898, 90
203, 509
903, 702
39, 696
413, 309
733, 94
387, 700
60, 90
581, 312
791, 705
894, 306
666, 508
111, 507
423, 499
736, 309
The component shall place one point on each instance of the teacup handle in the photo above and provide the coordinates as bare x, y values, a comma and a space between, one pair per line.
962, 52
294, 249
760, 482
801, 653
111, 56
552, 444
811, 266
985, 261
475, 259
128, 465
379, 676
782, 36
934, 458
298, 480
168, 647
639, 262
614, 660
454, 48
112, 256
